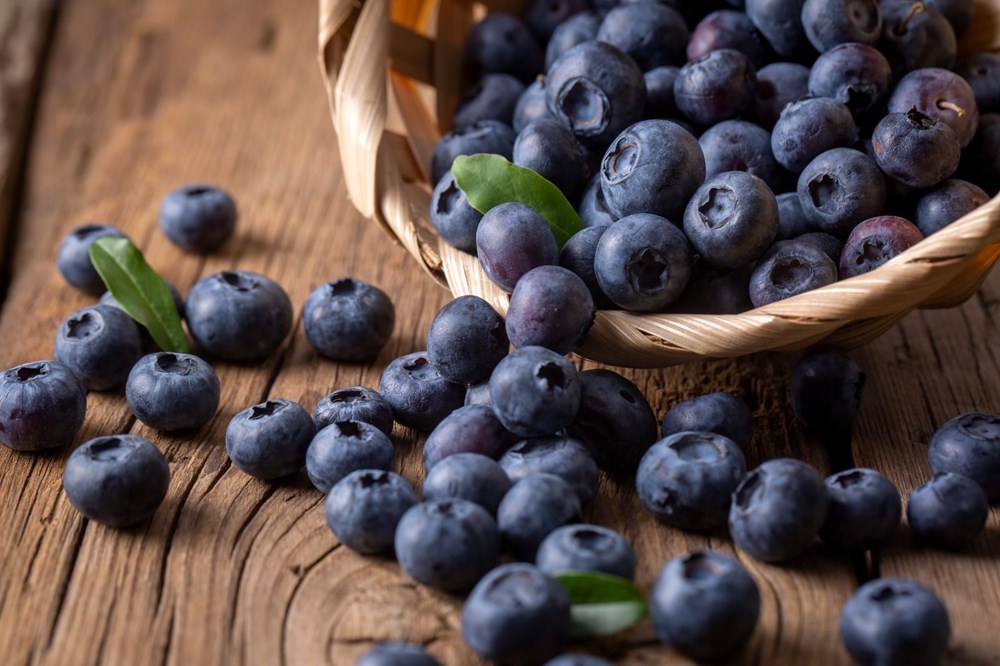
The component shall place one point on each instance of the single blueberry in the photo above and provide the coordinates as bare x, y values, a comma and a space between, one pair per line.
534, 507
468, 429
716, 87
551, 307
826, 391
364, 508
42, 406
948, 511
729, 29
586, 548
577, 29
778, 85
722, 413
781, 23
876, 241
942, 95
100, 344
73, 258
270, 439
856, 75
863, 509
831, 22
452, 216
535, 392
915, 35
501, 43
348, 320
653, 34
355, 403
344, 447
915, 149
840, 188
549, 149
969, 445
493, 97
511, 240
170, 391
560, 456
468, 476
466, 340
419, 396
198, 218
946, 203
487, 136
738, 145
790, 268
809, 127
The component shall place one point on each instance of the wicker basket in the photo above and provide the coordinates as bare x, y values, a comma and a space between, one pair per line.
392, 72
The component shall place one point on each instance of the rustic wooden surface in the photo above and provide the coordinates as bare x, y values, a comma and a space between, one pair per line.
141, 96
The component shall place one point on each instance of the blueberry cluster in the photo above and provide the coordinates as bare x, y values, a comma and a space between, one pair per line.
719, 160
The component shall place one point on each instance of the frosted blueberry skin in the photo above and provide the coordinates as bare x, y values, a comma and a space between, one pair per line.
238, 315
531, 105
549, 149
73, 257
466, 340
704, 605
348, 320
790, 268
915, 39
792, 222
487, 136
982, 71
738, 145
493, 97
467, 429
517, 614
364, 508
969, 445
863, 511
551, 307
170, 391
839, 189
577, 29
397, 654
592, 208
511, 240
118, 480
831, 245
577, 255
716, 87
355, 403
949, 511
269, 440
915, 149
729, 29
454, 219
42, 406
99, 344
809, 127
720, 413
469, 476
780, 21
942, 95
895, 621
946, 203
778, 85
479, 394
198, 217
586, 547
502, 43
856, 75
419, 396
652, 34
831, 22
876, 241
560, 456
534, 507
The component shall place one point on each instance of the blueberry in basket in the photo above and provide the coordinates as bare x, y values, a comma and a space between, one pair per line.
942, 95
831, 22
577, 29
511, 240
502, 43
551, 307
720, 85
876, 241
780, 21
651, 33
946, 203
915, 149
729, 29
531, 105
493, 97
738, 145
856, 75
915, 35
778, 85
790, 268
982, 72
809, 127
548, 148
839, 189
486, 136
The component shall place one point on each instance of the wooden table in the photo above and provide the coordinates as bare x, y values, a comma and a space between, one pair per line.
135, 98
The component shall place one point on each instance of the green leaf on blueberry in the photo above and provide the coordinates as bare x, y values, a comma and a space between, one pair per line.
491, 180
139, 290
601, 604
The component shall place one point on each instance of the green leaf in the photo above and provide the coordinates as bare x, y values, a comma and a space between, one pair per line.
602, 604
139, 290
490, 180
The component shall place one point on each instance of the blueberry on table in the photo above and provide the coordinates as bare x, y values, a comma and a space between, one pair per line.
969, 445
348, 320
531, 105
982, 71
558, 455
946, 203
863, 509
778, 510
652, 167
729, 29
592, 207
895, 622
468, 429
198, 218
535, 392
549, 149
511, 240
839, 189
42, 405
466, 340
653, 34
238, 315
721, 413
501, 43
915, 149
73, 258
780, 21
169, 391
364, 508
493, 97
577, 29
876, 241
468, 476
778, 85
944, 96
577, 255
118, 480
856, 75
397, 654
790, 268
355, 403
532, 509
738, 145
704, 605
831, 22
269, 440
99, 344
949, 511
419, 396
826, 392
720, 85
344, 447
586, 548
486, 136
809, 127
915, 35
454, 219
551, 307
517, 614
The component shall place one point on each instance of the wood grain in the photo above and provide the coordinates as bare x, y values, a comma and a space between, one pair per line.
143, 96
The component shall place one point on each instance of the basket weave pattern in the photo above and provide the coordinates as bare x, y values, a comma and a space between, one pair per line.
374, 58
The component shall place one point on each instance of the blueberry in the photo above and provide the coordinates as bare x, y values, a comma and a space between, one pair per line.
344, 447
560, 456
419, 396
643, 262
732, 219
73, 259
948, 511
468, 429
543, 16
915, 35
946, 203
596, 91
535, 392
781, 23
778, 85
969, 444
831, 245
549, 149
551, 307
42, 406
856, 75
792, 221
100, 344
479, 394
577, 29
729, 29
511, 240
827, 386
578, 660
778, 509
915, 149
238, 315
831, 22
839, 189
493, 97
652, 167
516, 614
501, 43
170, 391
577, 255
982, 71
876, 241
397, 654
863, 509
704, 605
270, 439
466, 340
653, 34
944, 96
468, 476
615, 421
716, 87
355, 403
809, 127
790, 268
198, 218
738, 145
531, 105
447, 544
364, 508
586, 548
534, 507
592, 208
712, 291
348, 320
117, 480
487, 136
108, 299
720, 413
979, 162
687, 479
454, 219
895, 622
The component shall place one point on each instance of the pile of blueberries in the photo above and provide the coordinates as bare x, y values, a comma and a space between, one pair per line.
721, 158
